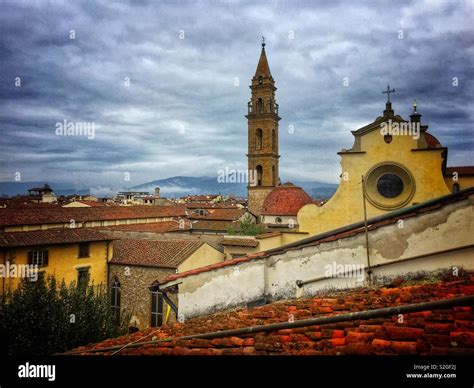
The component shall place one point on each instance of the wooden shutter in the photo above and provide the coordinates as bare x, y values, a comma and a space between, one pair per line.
30, 257
45, 258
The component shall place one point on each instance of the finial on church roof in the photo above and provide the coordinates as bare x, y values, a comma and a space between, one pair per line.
415, 116
387, 92
263, 70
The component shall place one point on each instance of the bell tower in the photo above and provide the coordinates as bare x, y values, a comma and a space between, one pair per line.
263, 121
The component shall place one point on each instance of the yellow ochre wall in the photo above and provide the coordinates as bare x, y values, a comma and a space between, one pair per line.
463, 181
264, 244
203, 256
63, 262
346, 205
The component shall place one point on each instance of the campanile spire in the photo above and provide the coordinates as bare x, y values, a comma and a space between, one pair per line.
263, 121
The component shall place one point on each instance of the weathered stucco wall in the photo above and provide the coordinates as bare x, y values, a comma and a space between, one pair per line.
439, 239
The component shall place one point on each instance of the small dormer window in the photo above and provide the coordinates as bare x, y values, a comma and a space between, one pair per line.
260, 80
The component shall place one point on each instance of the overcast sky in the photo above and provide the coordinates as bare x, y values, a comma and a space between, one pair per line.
183, 111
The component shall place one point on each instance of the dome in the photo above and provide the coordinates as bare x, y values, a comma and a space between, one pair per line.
285, 200
432, 141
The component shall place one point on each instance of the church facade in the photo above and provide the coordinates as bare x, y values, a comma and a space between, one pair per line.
393, 164
397, 163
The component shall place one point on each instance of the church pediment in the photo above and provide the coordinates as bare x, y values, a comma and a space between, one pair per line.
377, 124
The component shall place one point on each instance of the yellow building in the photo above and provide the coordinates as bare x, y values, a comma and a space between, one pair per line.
459, 178
399, 161
239, 246
68, 254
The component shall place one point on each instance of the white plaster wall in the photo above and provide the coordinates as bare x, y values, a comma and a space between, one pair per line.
448, 228
221, 289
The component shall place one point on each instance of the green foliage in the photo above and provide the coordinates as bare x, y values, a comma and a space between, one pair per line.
41, 318
247, 227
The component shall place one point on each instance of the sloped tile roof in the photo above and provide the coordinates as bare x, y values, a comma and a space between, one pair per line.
49, 215
152, 227
432, 332
240, 242
153, 253
51, 236
461, 170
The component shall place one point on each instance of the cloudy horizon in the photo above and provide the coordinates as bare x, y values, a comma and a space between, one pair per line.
166, 84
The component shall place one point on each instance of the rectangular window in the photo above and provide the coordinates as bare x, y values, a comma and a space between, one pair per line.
156, 309
38, 257
84, 249
82, 277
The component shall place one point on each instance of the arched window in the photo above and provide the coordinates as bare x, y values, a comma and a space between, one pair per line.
273, 139
259, 175
258, 140
156, 311
260, 105
115, 299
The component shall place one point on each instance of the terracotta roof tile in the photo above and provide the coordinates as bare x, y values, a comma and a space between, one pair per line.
153, 227
153, 253
461, 170
446, 331
220, 215
432, 141
240, 242
51, 236
285, 200
49, 215
218, 226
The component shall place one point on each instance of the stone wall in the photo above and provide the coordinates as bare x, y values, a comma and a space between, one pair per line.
135, 294
256, 196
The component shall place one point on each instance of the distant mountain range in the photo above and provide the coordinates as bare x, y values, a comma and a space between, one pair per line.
177, 186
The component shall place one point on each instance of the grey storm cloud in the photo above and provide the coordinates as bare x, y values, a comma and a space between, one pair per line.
189, 65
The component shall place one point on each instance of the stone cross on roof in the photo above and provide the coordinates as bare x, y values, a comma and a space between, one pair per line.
387, 92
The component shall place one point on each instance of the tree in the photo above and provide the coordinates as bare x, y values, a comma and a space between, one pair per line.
247, 227
40, 318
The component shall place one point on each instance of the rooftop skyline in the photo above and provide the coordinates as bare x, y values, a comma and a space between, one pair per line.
166, 85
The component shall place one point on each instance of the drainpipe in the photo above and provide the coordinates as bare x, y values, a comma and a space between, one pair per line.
366, 230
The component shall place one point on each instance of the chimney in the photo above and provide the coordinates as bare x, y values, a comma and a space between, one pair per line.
157, 192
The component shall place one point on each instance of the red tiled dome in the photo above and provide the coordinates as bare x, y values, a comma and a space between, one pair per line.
285, 200
432, 141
